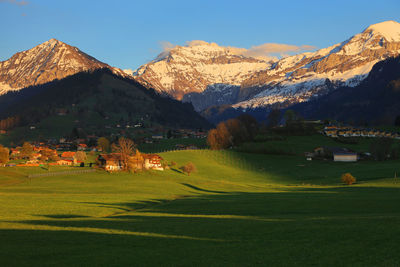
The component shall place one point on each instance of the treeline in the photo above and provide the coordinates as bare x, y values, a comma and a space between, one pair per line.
10, 122
233, 132
294, 123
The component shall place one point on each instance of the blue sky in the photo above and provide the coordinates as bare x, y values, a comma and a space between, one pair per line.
127, 34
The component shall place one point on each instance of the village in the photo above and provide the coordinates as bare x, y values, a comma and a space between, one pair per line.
351, 131
94, 151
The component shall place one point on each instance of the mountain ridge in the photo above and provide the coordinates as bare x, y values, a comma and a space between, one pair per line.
289, 80
44, 63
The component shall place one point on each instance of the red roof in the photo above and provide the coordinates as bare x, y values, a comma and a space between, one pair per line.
68, 154
152, 156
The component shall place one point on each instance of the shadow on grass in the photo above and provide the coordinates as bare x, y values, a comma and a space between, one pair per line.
202, 190
63, 216
308, 226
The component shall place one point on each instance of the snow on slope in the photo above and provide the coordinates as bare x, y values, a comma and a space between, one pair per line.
192, 68
298, 78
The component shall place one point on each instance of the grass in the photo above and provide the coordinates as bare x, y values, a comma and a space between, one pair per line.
237, 210
300, 144
170, 144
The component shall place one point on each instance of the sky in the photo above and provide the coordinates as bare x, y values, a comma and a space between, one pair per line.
127, 34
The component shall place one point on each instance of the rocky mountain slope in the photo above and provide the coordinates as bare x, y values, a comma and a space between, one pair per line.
298, 78
44, 63
375, 101
192, 68
207, 74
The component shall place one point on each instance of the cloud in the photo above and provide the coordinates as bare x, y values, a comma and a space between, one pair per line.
166, 46
15, 2
273, 50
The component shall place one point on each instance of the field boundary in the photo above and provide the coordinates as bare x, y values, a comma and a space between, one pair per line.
59, 173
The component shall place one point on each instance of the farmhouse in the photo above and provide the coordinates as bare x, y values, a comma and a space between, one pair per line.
345, 156
65, 162
110, 162
153, 161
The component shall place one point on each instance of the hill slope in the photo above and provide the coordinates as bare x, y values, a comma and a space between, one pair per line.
95, 100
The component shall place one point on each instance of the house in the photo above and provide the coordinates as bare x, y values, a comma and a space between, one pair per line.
331, 133
153, 161
114, 162
345, 156
111, 162
328, 152
82, 147
70, 156
65, 162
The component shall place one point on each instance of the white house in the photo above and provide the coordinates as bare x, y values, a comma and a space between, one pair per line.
345, 156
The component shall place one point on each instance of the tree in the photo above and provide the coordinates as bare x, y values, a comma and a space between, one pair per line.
237, 131
348, 179
126, 147
250, 123
273, 118
172, 164
136, 161
104, 143
290, 117
4, 155
80, 156
26, 150
188, 168
219, 138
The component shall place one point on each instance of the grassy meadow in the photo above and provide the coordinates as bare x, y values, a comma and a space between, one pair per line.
238, 209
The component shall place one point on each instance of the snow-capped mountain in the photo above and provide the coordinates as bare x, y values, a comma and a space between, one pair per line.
191, 68
44, 63
298, 78
207, 74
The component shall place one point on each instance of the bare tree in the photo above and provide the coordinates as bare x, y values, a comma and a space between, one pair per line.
126, 147
80, 156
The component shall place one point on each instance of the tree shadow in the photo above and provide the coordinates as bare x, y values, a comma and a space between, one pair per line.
203, 190
301, 226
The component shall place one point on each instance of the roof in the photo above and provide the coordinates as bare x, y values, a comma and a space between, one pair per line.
345, 154
152, 156
112, 156
335, 150
68, 154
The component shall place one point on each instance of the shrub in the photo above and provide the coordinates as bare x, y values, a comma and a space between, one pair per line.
172, 164
188, 168
348, 179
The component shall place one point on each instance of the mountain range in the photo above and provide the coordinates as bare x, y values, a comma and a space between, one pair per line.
206, 74
210, 76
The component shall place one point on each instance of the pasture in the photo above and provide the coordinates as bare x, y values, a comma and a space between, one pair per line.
237, 210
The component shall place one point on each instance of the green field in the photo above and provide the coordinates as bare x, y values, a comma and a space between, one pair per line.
237, 210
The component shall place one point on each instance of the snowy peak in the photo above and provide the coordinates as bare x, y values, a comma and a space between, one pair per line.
191, 68
390, 30
44, 63
298, 78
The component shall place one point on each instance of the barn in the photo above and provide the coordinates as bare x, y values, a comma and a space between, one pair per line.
345, 156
